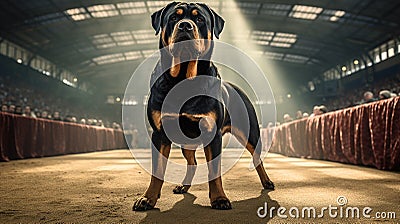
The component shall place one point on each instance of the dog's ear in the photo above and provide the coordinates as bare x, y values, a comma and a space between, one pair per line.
219, 23
157, 17
216, 20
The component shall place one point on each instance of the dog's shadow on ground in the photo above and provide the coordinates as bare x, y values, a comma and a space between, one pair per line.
185, 211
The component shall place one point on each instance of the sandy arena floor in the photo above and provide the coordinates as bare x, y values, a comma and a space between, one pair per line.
101, 188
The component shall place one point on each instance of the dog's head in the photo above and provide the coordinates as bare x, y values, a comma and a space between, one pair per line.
194, 23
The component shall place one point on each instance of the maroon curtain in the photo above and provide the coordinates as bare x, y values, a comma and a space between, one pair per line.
364, 135
24, 137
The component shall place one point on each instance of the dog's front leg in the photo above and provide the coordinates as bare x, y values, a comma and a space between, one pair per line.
160, 153
217, 195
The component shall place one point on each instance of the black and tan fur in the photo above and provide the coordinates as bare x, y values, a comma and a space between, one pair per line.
195, 21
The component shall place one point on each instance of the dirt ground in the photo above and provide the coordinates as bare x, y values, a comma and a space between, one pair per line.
101, 188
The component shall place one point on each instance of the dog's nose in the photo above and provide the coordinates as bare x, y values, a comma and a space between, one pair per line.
185, 26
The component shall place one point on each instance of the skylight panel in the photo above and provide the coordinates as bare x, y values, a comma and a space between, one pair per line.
249, 7
147, 41
296, 58
275, 9
102, 39
77, 14
305, 12
108, 45
126, 5
278, 44
129, 8
276, 6
80, 17
110, 58
156, 5
332, 15
103, 14
122, 36
75, 11
273, 55
133, 55
284, 39
302, 15
148, 53
98, 8
101, 11
143, 35
289, 35
126, 43
307, 9
133, 11
261, 42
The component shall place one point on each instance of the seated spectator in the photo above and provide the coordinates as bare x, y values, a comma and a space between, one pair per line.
11, 109
56, 116
44, 115
305, 114
100, 123
18, 110
28, 112
323, 109
315, 111
287, 118
385, 94
368, 97
299, 114
73, 119
4, 108
116, 126
82, 121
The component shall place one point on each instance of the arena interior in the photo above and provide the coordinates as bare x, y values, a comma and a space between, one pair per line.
75, 138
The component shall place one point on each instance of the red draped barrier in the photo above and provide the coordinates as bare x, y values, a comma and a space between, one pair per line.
364, 135
24, 137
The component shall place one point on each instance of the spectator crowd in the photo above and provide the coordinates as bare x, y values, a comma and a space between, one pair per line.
21, 98
380, 90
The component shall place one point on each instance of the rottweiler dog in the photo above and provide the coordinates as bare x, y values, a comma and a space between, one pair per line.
178, 22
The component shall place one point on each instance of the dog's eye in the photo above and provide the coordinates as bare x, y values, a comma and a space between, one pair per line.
199, 20
173, 18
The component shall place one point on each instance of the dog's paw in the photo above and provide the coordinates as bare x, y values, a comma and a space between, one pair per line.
180, 189
221, 204
269, 185
142, 204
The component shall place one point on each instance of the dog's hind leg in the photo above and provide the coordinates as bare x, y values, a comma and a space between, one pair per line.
253, 145
190, 155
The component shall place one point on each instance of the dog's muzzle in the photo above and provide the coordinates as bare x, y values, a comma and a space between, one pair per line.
185, 26
185, 40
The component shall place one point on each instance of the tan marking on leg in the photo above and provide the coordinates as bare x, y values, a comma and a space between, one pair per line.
154, 189
156, 116
176, 67
192, 70
215, 186
256, 158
